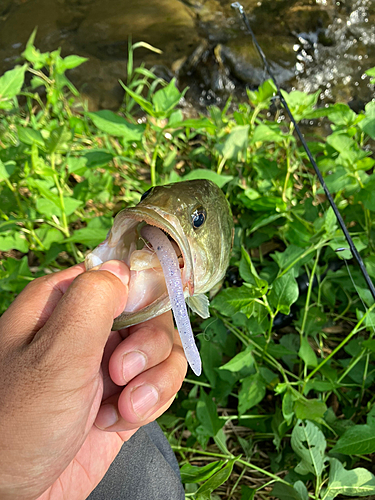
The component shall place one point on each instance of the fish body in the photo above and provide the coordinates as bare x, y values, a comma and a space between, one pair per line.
197, 219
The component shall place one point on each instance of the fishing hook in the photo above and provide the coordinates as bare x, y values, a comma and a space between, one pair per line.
358, 258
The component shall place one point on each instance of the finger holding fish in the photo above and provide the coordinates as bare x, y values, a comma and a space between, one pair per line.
145, 346
147, 395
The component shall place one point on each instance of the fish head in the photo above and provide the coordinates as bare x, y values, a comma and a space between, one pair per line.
196, 216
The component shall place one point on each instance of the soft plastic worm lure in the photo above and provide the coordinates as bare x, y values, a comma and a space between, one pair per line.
171, 269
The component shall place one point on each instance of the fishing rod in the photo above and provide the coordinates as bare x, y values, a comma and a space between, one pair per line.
358, 258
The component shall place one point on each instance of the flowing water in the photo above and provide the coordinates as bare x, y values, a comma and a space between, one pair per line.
311, 44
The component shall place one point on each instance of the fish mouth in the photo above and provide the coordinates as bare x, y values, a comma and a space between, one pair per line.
124, 242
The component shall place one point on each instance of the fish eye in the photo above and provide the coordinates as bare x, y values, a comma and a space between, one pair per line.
198, 217
145, 194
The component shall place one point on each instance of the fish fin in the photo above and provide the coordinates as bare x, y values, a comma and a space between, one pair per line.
199, 304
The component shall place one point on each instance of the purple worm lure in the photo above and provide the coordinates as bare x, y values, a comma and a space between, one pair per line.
171, 269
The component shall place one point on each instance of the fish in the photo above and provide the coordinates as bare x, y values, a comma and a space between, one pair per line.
194, 223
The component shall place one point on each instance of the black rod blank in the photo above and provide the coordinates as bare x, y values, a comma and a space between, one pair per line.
348, 238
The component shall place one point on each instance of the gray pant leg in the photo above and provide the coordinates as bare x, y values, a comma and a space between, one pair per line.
145, 469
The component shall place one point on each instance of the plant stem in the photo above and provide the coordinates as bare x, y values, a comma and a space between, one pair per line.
65, 227
229, 457
345, 341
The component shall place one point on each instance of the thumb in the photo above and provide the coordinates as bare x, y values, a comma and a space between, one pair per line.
81, 322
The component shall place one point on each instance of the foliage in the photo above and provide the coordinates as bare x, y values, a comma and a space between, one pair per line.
286, 397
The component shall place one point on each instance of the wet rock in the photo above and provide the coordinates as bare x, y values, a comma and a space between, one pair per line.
166, 24
243, 59
310, 44
308, 18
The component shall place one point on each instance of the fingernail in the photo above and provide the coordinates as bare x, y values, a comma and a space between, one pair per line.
133, 363
106, 417
144, 398
118, 268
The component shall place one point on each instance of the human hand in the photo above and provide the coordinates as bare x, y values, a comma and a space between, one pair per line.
62, 369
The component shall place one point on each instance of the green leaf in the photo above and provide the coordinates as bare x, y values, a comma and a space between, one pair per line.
77, 165
30, 136
309, 409
358, 440
201, 173
215, 481
13, 241
232, 300
264, 220
262, 96
264, 133
368, 123
113, 124
195, 123
339, 114
49, 235
309, 443
207, 414
235, 143
307, 354
194, 474
95, 232
167, 98
340, 242
263, 203
33, 55
292, 254
340, 180
58, 139
14, 274
371, 72
144, 103
285, 492
249, 274
289, 399
88, 237
357, 482
253, 390
247, 493
48, 207
330, 222
301, 104
243, 359
71, 204
97, 158
302, 490
45, 189
284, 292
346, 146
69, 62
221, 441
11, 82
6, 169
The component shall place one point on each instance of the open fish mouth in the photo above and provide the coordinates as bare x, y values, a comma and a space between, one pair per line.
147, 287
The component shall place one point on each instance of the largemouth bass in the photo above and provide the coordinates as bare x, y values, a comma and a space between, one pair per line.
195, 239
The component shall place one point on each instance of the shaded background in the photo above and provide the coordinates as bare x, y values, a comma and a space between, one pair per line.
311, 44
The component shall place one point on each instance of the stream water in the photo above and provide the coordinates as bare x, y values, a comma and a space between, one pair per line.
311, 44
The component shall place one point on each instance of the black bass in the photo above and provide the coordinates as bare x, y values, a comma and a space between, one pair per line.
183, 259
